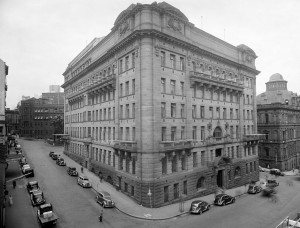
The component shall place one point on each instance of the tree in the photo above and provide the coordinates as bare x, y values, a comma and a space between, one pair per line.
58, 124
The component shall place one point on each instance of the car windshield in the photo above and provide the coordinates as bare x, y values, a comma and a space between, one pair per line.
107, 197
86, 179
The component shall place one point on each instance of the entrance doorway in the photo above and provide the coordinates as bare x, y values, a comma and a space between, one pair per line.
220, 178
86, 164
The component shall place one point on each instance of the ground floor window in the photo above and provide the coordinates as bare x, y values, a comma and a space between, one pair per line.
200, 183
166, 194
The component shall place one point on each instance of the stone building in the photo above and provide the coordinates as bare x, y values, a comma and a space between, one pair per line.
12, 118
36, 116
278, 112
163, 109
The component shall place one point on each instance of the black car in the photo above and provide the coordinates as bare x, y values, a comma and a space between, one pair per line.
37, 198
199, 206
60, 161
272, 183
72, 171
54, 156
32, 186
51, 153
253, 189
223, 199
29, 172
276, 172
103, 198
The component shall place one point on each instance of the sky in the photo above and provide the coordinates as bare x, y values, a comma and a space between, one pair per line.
38, 38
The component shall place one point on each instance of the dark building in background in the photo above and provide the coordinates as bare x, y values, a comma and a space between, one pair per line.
278, 112
54, 98
12, 118
37, 115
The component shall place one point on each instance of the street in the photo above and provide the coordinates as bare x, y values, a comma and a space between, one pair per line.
76, 207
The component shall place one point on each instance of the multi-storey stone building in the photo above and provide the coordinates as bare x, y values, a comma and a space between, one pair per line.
278, 112
12, 118
163, 109
36, 116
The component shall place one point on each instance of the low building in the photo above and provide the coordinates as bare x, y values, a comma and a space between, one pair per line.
162, 109
278, 112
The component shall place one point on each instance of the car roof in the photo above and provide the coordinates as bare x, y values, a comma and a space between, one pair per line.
198, 201
45, 205
104, 193
71, 167
37, 192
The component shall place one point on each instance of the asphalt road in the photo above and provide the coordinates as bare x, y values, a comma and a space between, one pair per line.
76, 207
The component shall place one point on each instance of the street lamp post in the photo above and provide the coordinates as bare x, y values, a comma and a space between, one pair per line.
150, 194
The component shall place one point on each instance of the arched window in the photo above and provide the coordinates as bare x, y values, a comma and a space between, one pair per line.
237, 172
217, 132
200, 183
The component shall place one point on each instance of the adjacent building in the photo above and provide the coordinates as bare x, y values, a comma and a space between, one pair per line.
278, 112
37, 115
162, 109
3, 139
12, 121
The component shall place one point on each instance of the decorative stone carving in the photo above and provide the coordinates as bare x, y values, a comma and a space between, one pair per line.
174, 24
123, 28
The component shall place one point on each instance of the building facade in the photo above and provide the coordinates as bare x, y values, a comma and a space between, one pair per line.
54, 88
3, 139
278, 112
163, 109
54, 98
36, 116
12, 121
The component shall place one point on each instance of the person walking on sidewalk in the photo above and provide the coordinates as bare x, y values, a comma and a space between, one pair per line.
10, 200
14, 184
101, 215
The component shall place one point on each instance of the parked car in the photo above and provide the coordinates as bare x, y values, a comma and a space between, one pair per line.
253, 189
54, 156
46, 215
60, 161
32, 186
84, 181
276, 172
51, 153
263, 184
25, 166
199, 206
104, 199
29, 172
72, 171
272, 183
22, 161
37, 198
223, 199
18, 149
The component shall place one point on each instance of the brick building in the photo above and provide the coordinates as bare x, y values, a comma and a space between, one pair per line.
159, 106
36, 116
278, 112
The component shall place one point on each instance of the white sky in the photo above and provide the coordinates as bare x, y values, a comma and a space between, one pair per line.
38, 38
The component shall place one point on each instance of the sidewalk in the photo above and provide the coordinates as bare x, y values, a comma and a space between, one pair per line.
128, 206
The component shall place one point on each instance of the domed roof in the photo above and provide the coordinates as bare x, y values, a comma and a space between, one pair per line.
244, 47
276, 77
162, 5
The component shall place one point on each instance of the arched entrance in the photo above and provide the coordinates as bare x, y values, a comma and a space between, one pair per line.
220, 167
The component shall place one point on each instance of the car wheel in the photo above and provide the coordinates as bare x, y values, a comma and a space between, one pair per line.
223, 204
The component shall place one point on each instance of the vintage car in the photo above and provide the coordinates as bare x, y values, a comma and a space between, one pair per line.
32, 186
104, 199
22, 161
25, 166
253, 189
18, 149
84, 182
37, 198
72, 171
54, 156
272, 183
28, 172
223, 199
199, 206
46, 215
60, 161
276, 172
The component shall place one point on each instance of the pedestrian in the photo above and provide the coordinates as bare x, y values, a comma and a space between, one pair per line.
293, 170
101, 216
10, 200
101, 176
14, 184
81, 169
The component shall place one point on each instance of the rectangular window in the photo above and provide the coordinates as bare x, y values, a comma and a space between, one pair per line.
163, 59
182, 111
183, 162
127, 88
166, 194
173, 110
173, 61
182, 88
203, 160
164, 165
224, 114
121, 133
133, 134
174, 164
163, 134
202, 112
211, 112
121, 66
121, 90
202, 133
133, 166
127, 163
218, 112
109, 113
176, 191
133, 110
194, 133
126, 62
121, 112
185, 187
163, 85
172, 86
231, 113
127, 111
133, 86
163, 110
194, 114
237, 114
181, 63
182, 136
133, 60
195, 159
127, 134
173, 133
